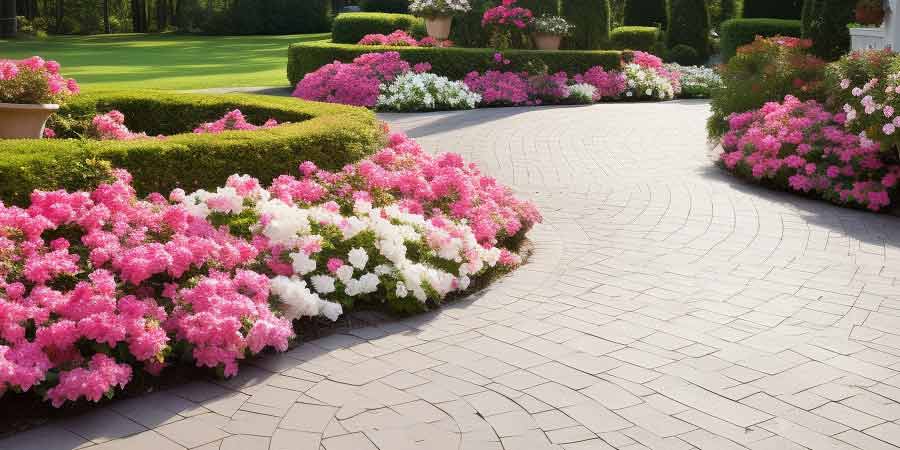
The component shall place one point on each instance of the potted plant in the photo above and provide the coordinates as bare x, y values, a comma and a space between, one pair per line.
870, 12
30, 91
549, 30
503, 21
439, 14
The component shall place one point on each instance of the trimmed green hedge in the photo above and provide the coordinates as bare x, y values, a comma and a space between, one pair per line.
329, 135
689, 25
591, 20
738, 32
635, 38
349, 28
454, 62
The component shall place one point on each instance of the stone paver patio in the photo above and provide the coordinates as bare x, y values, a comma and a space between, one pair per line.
666, 306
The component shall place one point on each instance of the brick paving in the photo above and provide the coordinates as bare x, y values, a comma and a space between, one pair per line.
666, 306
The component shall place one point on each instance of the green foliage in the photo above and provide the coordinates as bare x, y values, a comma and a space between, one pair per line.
765, 71
772, 9
467, 30
807, 14
541, 7
329, 135
729, 9
646, 12
827, 27
387, 6
738, 32
591, 20
635, 38
349, 28
454, 62
684, 55
689, 25
275, 17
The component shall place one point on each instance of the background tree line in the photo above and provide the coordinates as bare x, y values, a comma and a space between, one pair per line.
201, 16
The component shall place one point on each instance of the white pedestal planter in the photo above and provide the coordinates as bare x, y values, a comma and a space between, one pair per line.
24, 121
868, 39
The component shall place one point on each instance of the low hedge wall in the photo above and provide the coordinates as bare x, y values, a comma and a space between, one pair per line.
454, 62
349, 28
329, 135
635, 38
738, 32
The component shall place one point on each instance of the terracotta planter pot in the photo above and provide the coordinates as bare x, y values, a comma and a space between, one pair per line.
439, 27
24, 121
545, 41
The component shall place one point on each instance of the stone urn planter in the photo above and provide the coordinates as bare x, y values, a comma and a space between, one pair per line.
439, 27
24, 121
544, 41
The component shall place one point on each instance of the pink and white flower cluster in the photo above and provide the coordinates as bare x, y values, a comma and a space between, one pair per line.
96, 285
232, 121
802, 147
34, 81
400, 38
507, 14
111, 126
357, 83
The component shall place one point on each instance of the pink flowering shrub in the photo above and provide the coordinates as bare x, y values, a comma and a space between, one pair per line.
800, 146
400, 38
34, 81
500, 88
95, 286
111, 126
233, 121
357, 83
507, 14
610, 84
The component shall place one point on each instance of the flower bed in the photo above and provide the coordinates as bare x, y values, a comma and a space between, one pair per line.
373, 77
100, 285
800, 146
330, 135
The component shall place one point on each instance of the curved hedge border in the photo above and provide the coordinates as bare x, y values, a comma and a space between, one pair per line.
738, 32
349, 28
454, 62
329, 135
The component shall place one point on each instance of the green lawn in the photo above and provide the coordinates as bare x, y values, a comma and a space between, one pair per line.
164, 61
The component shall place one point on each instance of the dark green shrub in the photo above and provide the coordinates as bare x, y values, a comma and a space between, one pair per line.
387, 6
591, 20
329, 135
684, 55
729, 9
737, 32
772, 9
689, 25
635, 38
541, 7
764, 71
467, 30
454, 62
809, 13
828, 27
349, 28
279, 16
646, 13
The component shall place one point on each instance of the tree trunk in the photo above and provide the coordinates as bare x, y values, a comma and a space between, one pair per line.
8, 25
59, 15
106, 27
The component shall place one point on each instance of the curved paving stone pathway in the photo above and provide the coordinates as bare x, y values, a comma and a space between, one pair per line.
666, 307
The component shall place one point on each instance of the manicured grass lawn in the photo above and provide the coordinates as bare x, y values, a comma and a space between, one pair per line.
164, 61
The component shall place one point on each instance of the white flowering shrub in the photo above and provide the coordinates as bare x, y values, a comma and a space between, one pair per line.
696, 81
644, 82
425, 92
582, 93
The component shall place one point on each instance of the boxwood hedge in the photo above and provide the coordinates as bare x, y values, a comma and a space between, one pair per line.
635, 38
738, 32
329, 135
454, 62
349, 28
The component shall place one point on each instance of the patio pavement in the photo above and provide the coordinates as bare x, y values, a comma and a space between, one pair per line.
666, 306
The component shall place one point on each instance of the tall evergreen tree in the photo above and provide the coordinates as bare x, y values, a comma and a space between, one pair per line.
591, 20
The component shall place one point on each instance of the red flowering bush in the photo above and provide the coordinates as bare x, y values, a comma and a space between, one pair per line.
799, 146
766, 70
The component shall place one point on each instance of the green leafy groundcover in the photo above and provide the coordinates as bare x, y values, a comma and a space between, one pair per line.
453, 62
329, 135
